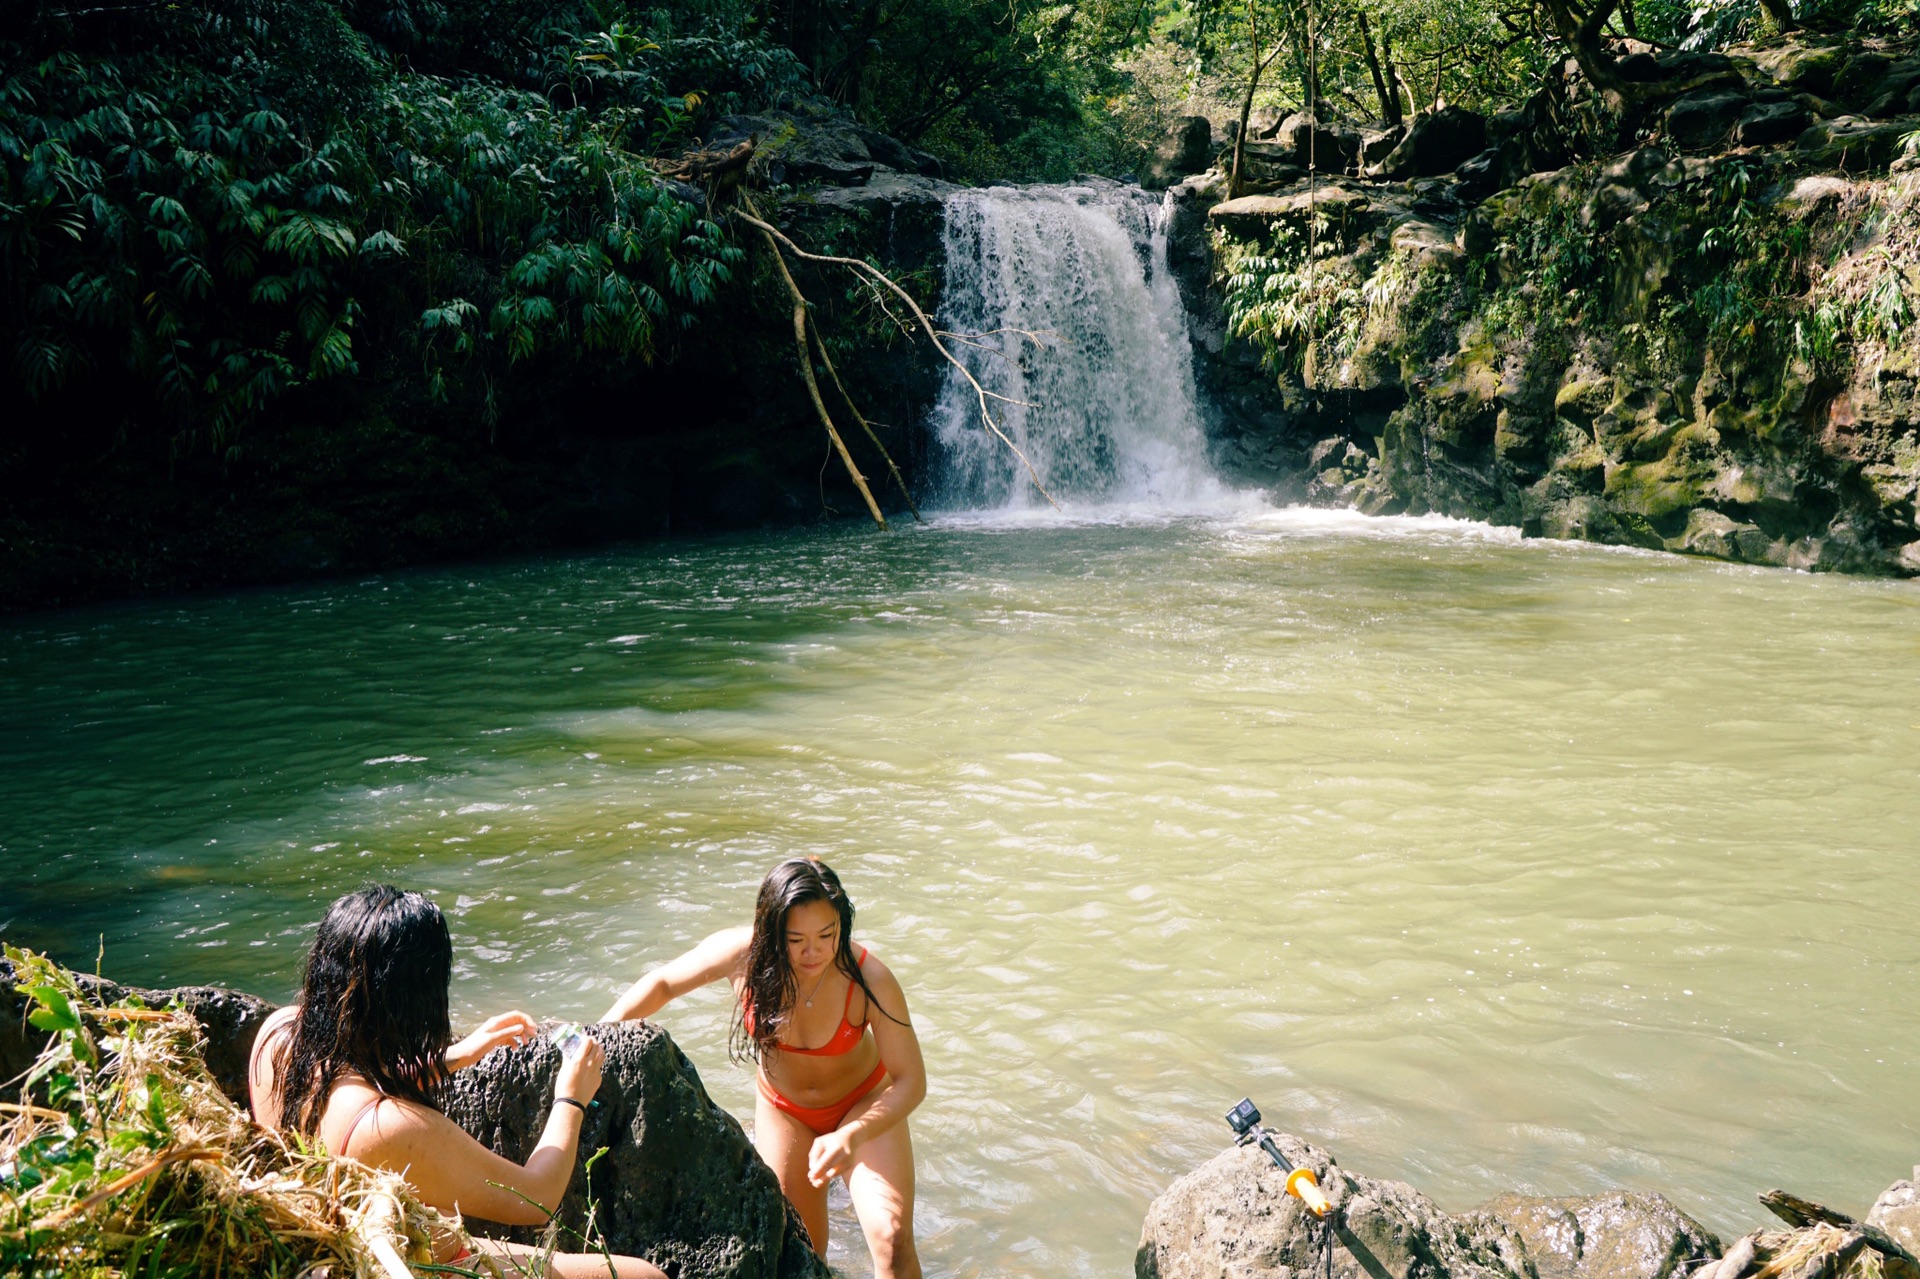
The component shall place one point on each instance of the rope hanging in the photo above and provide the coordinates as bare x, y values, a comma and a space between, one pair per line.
1313, 138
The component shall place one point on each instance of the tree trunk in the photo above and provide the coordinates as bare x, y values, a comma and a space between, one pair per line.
1240, 134
1397, 85
1389, 102
1581, 34
1782, 14
1246, 103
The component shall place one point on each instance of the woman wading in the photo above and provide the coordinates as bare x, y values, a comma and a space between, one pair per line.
839, 1065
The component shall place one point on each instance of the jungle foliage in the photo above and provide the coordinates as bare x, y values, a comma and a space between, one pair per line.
383, 225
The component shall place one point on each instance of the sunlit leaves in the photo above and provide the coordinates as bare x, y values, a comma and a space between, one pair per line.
160, 218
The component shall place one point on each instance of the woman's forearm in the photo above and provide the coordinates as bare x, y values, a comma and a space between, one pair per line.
550, 1167
642, 999
895, 1102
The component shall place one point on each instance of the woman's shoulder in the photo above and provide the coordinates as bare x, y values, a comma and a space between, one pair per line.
360, 1116
879, 978
278, 1020
727, 949
871, 965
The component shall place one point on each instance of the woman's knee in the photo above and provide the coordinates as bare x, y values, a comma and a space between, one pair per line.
893, 1250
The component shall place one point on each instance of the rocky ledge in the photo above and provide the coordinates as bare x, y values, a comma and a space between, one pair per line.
1232, 1219
679, 1184
1684, 322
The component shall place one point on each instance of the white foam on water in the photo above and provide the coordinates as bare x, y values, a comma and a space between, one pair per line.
1320, 521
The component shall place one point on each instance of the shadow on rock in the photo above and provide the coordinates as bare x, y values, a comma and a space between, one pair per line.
680, 1183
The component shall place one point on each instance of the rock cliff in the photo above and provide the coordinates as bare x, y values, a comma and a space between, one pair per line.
1687, 324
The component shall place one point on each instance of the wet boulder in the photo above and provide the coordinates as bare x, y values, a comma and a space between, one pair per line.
1232, 1219
1704, 118
820, 147
1853, 145
679, 1184
1765, 123
1620, 1235
1437, 142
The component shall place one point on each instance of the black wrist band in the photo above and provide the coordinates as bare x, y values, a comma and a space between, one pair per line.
577, 1105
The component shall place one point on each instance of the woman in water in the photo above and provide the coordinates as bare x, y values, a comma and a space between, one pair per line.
359, 1062
840, 1067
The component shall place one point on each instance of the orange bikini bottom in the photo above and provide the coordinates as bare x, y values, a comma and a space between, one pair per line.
823, 1119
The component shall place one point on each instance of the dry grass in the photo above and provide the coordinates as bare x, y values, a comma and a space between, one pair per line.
123, 1157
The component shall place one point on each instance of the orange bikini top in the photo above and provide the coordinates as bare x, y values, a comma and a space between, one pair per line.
844, 1040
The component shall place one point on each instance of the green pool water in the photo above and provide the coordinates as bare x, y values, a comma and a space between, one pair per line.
1488, 864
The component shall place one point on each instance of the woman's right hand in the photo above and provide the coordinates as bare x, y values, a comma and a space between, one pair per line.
579, 1076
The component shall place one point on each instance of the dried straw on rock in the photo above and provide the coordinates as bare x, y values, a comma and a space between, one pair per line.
123, 1156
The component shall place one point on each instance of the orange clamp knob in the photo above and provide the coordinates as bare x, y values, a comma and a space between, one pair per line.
1304, 1186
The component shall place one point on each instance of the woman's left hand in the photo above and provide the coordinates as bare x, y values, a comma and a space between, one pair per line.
503, 1031
830, 1157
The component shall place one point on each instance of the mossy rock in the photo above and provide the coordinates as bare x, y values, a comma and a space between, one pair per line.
1580, 400
1810, 70
1660, 492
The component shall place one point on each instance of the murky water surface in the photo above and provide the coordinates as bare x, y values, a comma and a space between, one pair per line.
1487, 864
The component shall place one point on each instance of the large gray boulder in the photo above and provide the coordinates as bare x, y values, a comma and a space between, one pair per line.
1436, 142
1623, 1234
1232, 1219
680, 1183
1897, 1211
1186, 147
228, 1018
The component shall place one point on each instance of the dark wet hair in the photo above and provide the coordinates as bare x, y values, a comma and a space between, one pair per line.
373, 1002
770, 983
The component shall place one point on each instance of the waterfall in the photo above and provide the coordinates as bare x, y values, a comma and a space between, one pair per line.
1106, 409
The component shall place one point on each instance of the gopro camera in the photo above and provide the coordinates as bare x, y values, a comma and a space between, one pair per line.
1244, 1117
568, 1038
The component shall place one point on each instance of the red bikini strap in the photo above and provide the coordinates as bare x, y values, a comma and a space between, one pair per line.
354, 1127
850, 985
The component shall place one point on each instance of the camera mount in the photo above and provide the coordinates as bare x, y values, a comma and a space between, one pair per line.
1244, 1119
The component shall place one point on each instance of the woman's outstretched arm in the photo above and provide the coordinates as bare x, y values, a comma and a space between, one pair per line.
717, 957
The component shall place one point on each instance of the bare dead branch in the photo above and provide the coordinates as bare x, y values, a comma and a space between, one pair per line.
806, 375
852, 408
880, 277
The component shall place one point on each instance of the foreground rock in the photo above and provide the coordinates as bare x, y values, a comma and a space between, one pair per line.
1897, 1212
1232, 1219
229, 1018
680, 1184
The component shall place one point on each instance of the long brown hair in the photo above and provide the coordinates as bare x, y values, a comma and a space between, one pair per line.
373, 1002
769, 993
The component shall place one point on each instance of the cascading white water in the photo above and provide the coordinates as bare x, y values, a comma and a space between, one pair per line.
1105, 410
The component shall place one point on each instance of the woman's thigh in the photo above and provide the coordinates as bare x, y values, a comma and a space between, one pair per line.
784, 1142
881, 1187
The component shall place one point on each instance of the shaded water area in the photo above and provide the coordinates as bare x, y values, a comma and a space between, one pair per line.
1488, 864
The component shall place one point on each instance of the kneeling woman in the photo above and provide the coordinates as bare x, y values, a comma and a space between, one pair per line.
359, 1062
839, 1064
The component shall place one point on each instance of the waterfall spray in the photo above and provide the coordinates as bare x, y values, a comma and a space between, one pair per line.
1106, 410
